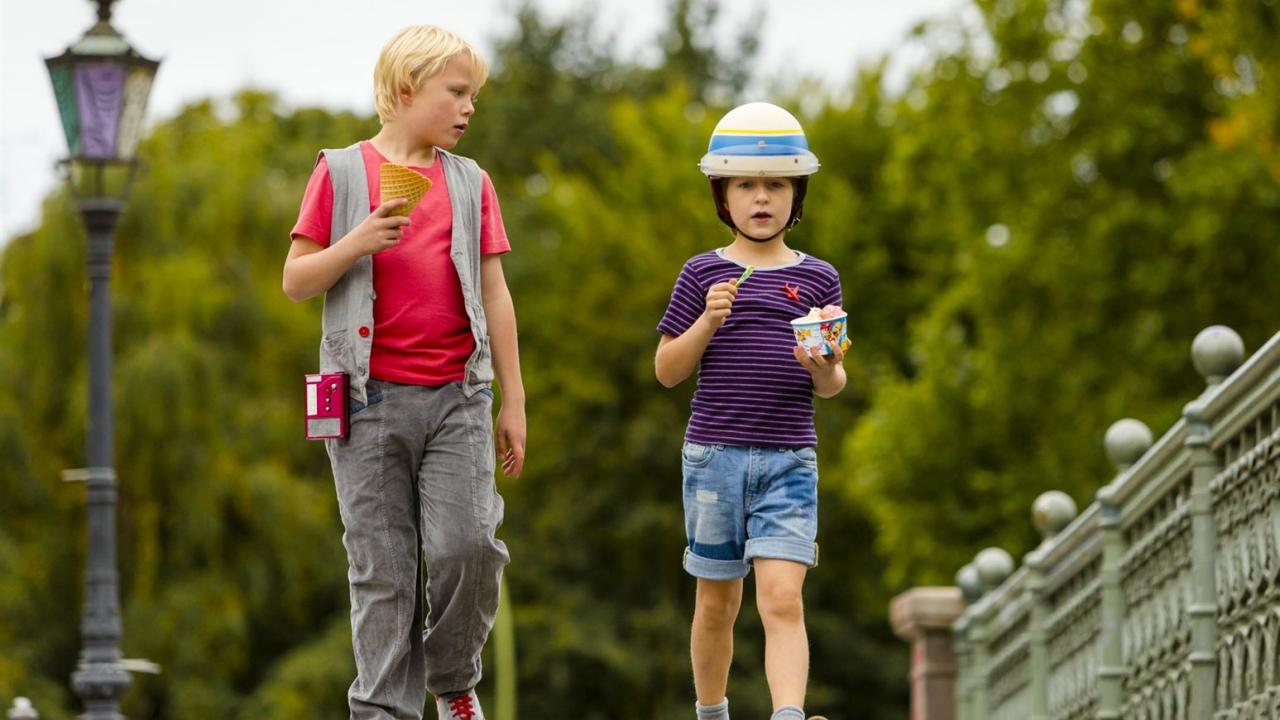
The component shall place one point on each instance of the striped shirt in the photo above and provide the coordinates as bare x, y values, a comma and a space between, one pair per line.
751, 390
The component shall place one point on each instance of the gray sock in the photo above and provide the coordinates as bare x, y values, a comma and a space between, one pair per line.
719, 711
788, 712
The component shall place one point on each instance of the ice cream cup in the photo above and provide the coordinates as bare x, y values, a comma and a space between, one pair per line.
822, 333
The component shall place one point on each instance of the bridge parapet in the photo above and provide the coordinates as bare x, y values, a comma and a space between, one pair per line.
1161, 600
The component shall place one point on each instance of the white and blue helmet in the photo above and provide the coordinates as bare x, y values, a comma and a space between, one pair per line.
758, 139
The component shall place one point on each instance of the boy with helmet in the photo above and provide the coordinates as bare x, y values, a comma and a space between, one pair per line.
749, 465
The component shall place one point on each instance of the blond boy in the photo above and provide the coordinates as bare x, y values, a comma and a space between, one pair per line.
418, 315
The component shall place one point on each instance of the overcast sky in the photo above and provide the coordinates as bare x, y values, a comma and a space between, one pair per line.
321, 52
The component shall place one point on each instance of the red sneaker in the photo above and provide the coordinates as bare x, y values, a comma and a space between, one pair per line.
459, 706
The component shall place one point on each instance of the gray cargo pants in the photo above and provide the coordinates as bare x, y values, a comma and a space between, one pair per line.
418, 466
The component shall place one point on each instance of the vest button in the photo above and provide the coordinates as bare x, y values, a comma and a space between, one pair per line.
364, 331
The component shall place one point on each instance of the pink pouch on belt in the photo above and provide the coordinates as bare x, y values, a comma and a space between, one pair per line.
326, 406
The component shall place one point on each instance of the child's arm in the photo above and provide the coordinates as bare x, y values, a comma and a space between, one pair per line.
311, 269
678, 357
828, 373
500, 314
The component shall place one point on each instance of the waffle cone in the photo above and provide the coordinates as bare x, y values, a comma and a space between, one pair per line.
398, 181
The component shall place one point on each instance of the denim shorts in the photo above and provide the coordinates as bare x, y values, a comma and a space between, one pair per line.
742, 503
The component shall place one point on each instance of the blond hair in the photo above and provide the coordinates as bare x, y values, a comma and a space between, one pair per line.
413, 55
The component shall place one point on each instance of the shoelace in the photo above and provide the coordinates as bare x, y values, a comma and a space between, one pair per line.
460, 707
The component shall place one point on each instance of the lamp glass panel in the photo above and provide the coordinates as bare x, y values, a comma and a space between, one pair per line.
137, 86
100, 97
64, 94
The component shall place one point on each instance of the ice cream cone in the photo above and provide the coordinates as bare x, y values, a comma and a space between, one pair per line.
398, 181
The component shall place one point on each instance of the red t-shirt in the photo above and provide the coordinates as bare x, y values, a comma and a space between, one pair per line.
421, 334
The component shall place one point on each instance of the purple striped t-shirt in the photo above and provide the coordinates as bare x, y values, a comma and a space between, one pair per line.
751, 390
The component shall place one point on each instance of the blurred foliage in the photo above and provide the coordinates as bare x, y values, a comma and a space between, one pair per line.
1107, 194
1030, 232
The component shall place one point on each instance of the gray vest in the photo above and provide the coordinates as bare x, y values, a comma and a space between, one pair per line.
348, 305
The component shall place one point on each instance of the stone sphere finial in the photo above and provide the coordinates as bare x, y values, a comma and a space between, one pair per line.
994, 565
1051, 512
1216, 353
1127, 440
22, 710
969, 583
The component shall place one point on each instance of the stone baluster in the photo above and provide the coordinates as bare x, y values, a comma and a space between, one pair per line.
1126, 442
971, 592
1216, 352
994, 565
1050, 513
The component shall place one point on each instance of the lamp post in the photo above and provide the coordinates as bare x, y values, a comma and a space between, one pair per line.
101, 86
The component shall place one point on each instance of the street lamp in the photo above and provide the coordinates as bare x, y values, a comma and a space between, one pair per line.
101, 86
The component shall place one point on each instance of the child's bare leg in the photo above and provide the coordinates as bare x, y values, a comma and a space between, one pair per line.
786, 645
711, 645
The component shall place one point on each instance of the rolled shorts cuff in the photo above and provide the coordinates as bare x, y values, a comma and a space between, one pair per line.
709, 569
801, 551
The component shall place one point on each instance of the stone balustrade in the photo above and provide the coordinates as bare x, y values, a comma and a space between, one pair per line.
1160, 601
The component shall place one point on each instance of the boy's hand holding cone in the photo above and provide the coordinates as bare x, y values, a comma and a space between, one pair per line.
398, 181
401, 190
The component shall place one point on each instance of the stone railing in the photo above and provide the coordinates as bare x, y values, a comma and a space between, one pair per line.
1161, 601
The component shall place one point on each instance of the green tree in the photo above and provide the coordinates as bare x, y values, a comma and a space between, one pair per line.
1105, 200
1029, 235
228, 550
231, 563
